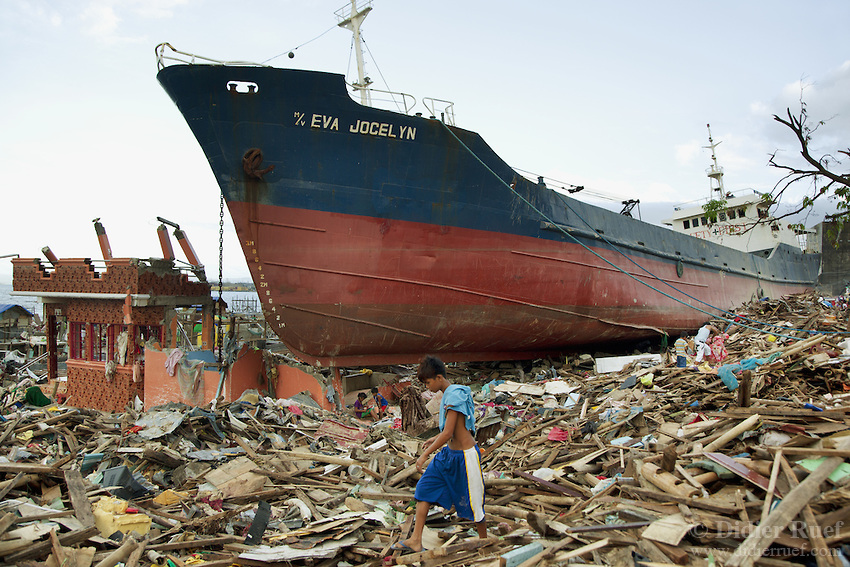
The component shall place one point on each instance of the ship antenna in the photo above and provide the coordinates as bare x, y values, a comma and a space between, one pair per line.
352, 22
715, 172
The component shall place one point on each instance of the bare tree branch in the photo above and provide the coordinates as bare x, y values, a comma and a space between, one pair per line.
834, 184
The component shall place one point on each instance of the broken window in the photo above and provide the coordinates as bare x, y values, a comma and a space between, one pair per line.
687, 224
99, 342
76, 340
150, 332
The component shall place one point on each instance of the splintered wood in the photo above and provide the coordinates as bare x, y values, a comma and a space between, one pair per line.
619, 459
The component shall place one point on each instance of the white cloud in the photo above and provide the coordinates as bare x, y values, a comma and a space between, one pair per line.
100, 19
759, 109
687, 153
112, 22
155, 9
33, 12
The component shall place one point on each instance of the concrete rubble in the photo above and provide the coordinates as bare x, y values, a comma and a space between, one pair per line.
608, 460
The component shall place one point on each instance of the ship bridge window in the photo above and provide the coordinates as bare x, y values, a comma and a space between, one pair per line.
731, 213
704, 221
687, 224
762, 213
742, 213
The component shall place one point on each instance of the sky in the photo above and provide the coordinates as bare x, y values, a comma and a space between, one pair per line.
612, 95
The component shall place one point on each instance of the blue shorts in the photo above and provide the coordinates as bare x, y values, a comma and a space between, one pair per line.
681, 361
454, 478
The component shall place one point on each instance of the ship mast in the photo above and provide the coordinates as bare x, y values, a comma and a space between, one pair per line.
715, 172
352, 22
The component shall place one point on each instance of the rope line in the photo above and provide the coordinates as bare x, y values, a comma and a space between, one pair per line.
618, 268
724, 311
302, 45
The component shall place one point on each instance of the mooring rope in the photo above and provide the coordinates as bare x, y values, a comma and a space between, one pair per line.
618, 268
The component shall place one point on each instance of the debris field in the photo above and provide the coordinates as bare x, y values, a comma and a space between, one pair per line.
606, 460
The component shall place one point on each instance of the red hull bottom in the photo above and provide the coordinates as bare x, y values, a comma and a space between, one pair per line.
341, 290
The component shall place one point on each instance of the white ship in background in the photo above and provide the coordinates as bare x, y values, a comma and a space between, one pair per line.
743, 224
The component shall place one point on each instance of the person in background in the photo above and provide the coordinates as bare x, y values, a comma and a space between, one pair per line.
361, 410
681, 346
454, 477
701, 340
380, 402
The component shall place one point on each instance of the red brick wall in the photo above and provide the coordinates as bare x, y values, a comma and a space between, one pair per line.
88, 388
77, 275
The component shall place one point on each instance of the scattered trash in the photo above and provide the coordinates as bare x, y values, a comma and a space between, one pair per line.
674, 465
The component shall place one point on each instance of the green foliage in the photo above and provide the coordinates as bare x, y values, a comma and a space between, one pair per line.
713, 208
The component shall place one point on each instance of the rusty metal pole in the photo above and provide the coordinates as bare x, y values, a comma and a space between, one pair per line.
51, 257
165, 242
103, 240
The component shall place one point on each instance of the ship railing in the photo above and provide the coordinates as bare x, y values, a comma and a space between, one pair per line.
443, 108
714, 171
177, 56
343, 15
390, 100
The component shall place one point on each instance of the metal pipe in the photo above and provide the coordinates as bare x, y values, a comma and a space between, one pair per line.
168, 222
183, 240
165, 242
102, 239
51, 257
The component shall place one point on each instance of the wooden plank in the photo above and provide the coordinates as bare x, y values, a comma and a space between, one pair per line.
798, 498
10, 428
779, 411
445, 551
6, 521
693, 502
79, 500
810, 452
62, 559
42, 549
10, 484
822, 553
29, 468
326, 459
197, 543
550, 485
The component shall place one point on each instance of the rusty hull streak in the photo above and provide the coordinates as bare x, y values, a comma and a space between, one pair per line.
466, 291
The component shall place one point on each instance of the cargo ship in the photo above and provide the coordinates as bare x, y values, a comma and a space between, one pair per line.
376, 236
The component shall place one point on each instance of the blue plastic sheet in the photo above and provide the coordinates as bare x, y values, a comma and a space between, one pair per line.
727, 372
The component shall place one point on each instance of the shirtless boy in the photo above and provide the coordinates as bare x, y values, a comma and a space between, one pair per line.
454, 476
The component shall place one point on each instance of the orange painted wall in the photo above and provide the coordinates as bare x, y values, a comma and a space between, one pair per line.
291, 381
160, 388
247, 373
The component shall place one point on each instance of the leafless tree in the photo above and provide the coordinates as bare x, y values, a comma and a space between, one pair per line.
818, 171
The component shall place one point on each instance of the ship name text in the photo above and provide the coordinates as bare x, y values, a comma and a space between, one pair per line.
383, 129
365, 127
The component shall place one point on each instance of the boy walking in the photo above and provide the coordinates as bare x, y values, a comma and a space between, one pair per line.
454, 476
